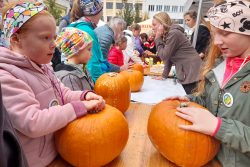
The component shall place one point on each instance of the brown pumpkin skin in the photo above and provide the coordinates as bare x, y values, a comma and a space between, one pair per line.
115, 90
138, 67
93, 140
184, 148
135, 79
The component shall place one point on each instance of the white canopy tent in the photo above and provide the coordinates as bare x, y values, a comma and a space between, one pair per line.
146, 26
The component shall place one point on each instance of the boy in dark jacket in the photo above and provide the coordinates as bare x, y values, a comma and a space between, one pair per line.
76, 46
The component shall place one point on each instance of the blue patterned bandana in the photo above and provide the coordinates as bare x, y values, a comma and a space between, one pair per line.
91, 7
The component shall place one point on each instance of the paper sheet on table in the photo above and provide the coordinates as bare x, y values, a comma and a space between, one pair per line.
154, 91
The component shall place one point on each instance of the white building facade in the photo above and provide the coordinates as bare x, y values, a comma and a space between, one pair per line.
112, 7
175, 8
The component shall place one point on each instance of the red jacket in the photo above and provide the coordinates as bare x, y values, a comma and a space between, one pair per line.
115, 56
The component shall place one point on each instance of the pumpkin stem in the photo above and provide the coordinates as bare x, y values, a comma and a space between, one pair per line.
112, 74
130, 70
183, 104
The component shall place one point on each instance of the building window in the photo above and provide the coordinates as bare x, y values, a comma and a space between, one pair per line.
119, 5
109, 5
158, 8
139, 5
181, 8
151, 8
108, 18
177, 21
167, 8
174, 9
130, 5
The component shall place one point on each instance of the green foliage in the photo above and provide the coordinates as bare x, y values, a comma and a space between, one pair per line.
127, 13
137, 17
54, 10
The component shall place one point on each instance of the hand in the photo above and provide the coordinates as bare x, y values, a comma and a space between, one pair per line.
147, 52
126, 66
94, 106
158, 78
136, 53
159, 31
203, 121
202, 55
180, 98
92, 96
130, 65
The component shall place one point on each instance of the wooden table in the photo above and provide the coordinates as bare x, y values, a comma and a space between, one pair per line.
139, 151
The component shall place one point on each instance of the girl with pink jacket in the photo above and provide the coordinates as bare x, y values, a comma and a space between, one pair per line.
37, 102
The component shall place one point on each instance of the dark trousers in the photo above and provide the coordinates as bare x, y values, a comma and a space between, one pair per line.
189, 88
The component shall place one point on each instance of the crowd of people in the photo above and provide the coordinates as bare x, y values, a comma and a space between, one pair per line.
214, 73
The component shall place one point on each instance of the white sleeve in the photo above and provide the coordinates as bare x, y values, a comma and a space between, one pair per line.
129, 52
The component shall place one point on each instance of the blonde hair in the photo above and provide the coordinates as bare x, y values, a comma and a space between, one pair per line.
164, 19
213, 54
135, 26
121, 40
75, 12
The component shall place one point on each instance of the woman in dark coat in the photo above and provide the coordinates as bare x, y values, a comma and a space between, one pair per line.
203, 36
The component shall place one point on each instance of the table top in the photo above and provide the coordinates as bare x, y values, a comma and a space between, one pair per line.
139, 151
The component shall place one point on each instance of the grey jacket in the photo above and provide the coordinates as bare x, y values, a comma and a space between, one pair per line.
177, 50
106, 38
234, 132
73, 77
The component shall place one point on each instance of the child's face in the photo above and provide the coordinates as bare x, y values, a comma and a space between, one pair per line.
143, 40
190, 22
85, 55
123, 46
38, 43
2, 3
155, 25
231, 44
136, 33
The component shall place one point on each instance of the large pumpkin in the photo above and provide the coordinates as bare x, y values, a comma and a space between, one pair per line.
135, 79
138, 67
184, 148
115, 89
93, 140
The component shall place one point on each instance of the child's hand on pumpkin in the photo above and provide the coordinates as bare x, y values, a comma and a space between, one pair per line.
203, 121
93, 96
92, 106
181, 98
101, 105
124, 67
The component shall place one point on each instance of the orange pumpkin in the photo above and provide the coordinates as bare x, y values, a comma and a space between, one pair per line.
138, 67
135, 79
115, 89
93, 140
184, 148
